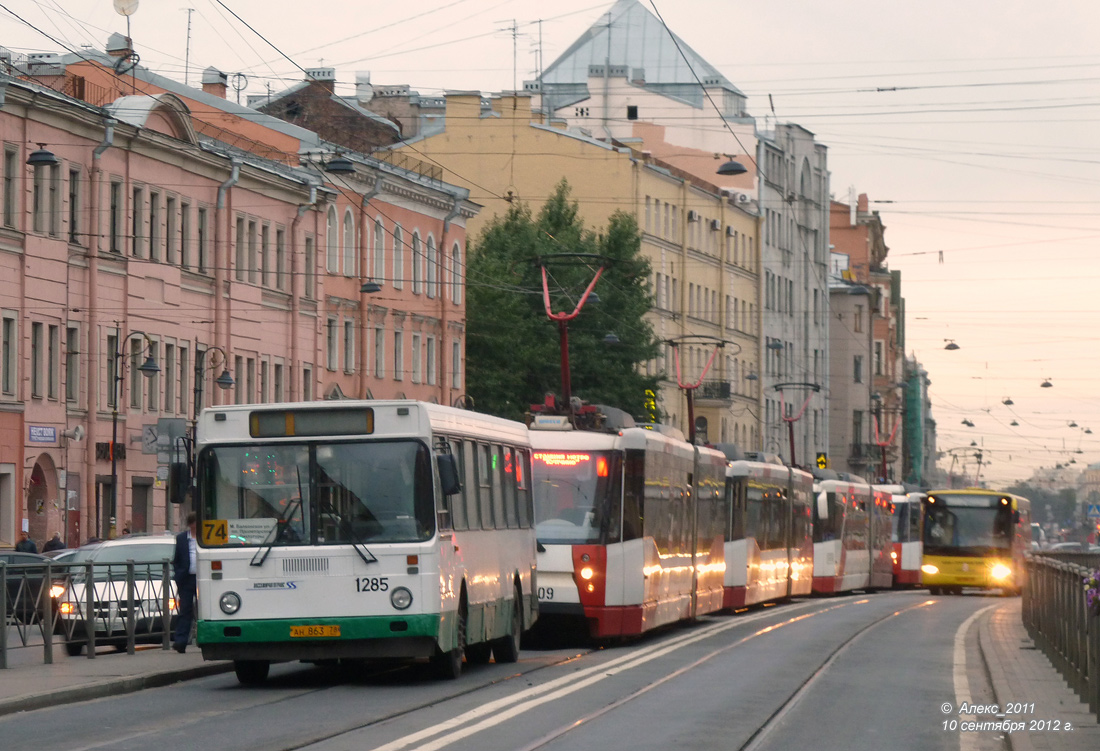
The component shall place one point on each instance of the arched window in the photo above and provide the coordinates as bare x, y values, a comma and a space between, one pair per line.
379, 252
433, 268
417, 262
457, 270
349, 244
398, 258
332, 255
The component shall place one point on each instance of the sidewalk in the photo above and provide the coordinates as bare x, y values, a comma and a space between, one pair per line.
1020, 672
72, 679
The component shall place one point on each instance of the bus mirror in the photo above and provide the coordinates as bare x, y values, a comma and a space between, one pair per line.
448, 474
179, 481
822, 505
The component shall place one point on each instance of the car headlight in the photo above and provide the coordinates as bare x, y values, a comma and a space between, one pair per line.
401, 598
1001, 571
928, 568
230, 603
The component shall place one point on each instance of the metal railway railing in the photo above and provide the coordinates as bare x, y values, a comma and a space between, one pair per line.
1056, 616
48, 604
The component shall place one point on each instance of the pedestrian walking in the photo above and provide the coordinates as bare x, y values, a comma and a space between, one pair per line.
54, 543
25, 544
185, 569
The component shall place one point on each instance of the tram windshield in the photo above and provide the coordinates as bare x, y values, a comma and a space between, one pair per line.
313, 494
952, 528
577, 496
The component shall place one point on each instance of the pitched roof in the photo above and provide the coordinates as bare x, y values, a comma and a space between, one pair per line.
639, 41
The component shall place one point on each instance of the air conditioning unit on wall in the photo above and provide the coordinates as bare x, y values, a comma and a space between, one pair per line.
693, 216
715, 225
744, 198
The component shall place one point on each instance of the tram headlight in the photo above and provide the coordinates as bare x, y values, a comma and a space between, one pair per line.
928, 568
401, 598
230, 603
1000, 571
894, 555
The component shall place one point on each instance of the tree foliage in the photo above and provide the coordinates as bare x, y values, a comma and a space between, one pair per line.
512, 348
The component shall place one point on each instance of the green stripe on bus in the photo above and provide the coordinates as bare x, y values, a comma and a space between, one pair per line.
352, 627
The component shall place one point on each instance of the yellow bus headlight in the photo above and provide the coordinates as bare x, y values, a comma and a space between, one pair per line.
928, 568
1001, 571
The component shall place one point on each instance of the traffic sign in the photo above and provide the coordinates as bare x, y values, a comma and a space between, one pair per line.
1094, 511
822, 460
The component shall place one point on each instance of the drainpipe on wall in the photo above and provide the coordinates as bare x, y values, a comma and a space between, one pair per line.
443, 351
91, 365
295, 295
222, 310
366, 274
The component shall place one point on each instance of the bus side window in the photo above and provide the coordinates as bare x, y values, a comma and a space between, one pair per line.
497, 471
484, 481
456, 504
523, 493
509, 487
471, 488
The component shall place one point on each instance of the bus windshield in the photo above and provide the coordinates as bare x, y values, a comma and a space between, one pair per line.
577, 496
314, 494
955, 530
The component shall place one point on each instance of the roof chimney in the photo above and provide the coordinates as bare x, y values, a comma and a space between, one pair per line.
364, 92
214, 82
326, 77
118, 45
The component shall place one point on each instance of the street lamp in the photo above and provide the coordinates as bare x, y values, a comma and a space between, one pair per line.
223, 382
149, 368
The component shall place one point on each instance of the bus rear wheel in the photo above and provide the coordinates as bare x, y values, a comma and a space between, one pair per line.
506, 648
251, 672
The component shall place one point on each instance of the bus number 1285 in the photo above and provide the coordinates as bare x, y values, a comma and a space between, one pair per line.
372, 584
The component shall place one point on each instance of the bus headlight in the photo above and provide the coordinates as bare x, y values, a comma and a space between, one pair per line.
1001, 571
401, 598
928, 568
230, 603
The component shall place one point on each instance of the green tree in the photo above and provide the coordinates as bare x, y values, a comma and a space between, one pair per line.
512, 348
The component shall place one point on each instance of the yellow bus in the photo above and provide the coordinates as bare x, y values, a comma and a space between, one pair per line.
975, 538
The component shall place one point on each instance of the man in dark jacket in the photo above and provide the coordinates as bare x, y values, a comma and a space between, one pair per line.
25, 544
54, 543
185, 570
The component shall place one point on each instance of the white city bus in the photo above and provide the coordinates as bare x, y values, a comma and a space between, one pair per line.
362, 530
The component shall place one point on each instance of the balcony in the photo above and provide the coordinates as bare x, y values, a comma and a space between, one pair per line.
863, 453
714, 391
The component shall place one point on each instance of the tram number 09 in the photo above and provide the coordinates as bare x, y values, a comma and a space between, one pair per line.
372, 584
546, 593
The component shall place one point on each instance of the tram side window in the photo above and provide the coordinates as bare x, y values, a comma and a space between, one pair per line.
754, 517
634, 495
830, 528
485, 482
914, 521
735, 500
456, 504
800, 529
472, 487
659, 503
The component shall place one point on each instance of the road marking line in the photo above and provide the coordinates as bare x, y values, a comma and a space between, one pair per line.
967, 741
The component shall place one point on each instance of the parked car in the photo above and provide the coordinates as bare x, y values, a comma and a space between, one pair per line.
23, 584
110, 596
1066, 547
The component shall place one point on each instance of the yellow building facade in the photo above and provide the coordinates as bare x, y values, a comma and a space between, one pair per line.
702, 242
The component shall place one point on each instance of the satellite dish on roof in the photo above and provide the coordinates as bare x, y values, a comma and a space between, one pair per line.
126, 7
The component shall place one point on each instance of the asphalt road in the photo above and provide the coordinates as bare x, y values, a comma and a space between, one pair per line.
840, 673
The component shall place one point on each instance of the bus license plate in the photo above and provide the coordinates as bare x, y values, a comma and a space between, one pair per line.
314, 631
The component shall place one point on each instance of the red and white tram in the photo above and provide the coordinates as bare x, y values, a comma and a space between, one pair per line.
905, 536
851, 532
630, 526
769, 545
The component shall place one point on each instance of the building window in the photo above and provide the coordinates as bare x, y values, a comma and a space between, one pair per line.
136, 222
398, 258
38, 199
332, 238
456, 364
349, 346
857, 368
429, 359
265, 384
857, 426
417, 264
280, 259
379, 252
171, 231
11, 184
457, 272
74, 206
112, 370
349, 244
55, 200
154, 226
416, 372
185, 235
307, 383
330, 343
36, 360
153, 401
266, 259
878, 357
135, 374
311, 268
857, 319
278, 394
253, 251
202, 261
398, 356
72, 364
53, 362
631, 112
169, 378
433, 268
184, 376
238, 254
250, 381
238, 382
379, 352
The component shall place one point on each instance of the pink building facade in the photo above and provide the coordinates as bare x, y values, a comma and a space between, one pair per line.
141, 239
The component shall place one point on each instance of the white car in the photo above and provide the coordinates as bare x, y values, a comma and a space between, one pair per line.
110, 596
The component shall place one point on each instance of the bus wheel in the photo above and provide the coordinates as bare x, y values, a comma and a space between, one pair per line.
251, 672
935, 591
448, 665
506, 648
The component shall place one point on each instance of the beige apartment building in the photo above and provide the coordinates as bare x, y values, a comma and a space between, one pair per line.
702, 240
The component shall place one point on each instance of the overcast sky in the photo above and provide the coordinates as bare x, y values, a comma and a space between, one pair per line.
972, 127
